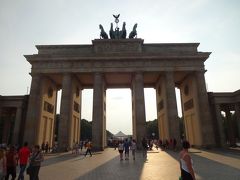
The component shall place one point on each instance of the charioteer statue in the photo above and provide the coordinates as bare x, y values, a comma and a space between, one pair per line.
117, 33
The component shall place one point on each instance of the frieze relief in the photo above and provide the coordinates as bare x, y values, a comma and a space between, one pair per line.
109, 65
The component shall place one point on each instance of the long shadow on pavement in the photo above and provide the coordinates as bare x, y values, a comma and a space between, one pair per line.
63, 157
115, 169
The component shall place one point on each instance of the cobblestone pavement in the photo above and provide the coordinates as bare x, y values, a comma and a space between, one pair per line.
212, 165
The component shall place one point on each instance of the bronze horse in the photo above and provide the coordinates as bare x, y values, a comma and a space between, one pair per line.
133, 33
103, 34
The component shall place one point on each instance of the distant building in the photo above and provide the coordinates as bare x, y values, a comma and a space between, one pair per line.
120, 136
225, 110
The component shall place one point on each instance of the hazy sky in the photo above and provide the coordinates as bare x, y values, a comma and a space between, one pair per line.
26, 23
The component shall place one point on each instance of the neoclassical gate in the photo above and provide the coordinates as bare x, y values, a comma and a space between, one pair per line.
118, 63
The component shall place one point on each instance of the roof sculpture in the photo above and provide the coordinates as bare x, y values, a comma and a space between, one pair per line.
117, 33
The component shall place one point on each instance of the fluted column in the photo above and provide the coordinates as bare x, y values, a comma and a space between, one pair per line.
98, 128
237, 112
172, 113
34, 110
221, 138
139, 121
64, 131
17, 123
205, 116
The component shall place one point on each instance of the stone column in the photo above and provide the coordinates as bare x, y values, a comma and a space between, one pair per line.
205, 116
237, 113
34, 110
104, 119
7, 129
64, 136
230, 128
221, 137
98, 131
17, 124
172, 113
139, 108
133, 113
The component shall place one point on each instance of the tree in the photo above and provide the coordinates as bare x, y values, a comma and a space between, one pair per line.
152, 127
86, 129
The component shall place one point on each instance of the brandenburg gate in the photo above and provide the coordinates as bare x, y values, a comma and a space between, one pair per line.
118, 63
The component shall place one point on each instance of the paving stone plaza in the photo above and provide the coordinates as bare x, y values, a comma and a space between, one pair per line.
210, 164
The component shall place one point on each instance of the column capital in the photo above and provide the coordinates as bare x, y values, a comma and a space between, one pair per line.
138, 76
98, 73
169, 75
168, 72
99, 78
67, 74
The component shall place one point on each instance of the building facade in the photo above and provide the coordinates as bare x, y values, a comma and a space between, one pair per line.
118, 63
127, 63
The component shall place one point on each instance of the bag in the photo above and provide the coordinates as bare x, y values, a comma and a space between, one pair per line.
29, 169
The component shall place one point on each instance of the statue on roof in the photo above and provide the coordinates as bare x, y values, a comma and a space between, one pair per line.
123, 32
133, 33
117, 33
103, 34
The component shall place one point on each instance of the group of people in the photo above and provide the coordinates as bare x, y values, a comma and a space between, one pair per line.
25, 157
79, 146
186, 163
167, 144
45, 147
125, 146
31, 159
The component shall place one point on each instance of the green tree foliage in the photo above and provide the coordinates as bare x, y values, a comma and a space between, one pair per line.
86, 129
152, 127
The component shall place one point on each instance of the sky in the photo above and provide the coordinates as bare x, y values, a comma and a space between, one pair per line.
215, 24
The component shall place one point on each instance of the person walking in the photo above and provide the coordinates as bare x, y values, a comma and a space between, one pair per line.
186, 163
126, 149
89, 147
23, 155
43, 147
3, 167
46, 147
133, 148
145, 147
11, 157
81, 145
35, 162
120, 149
